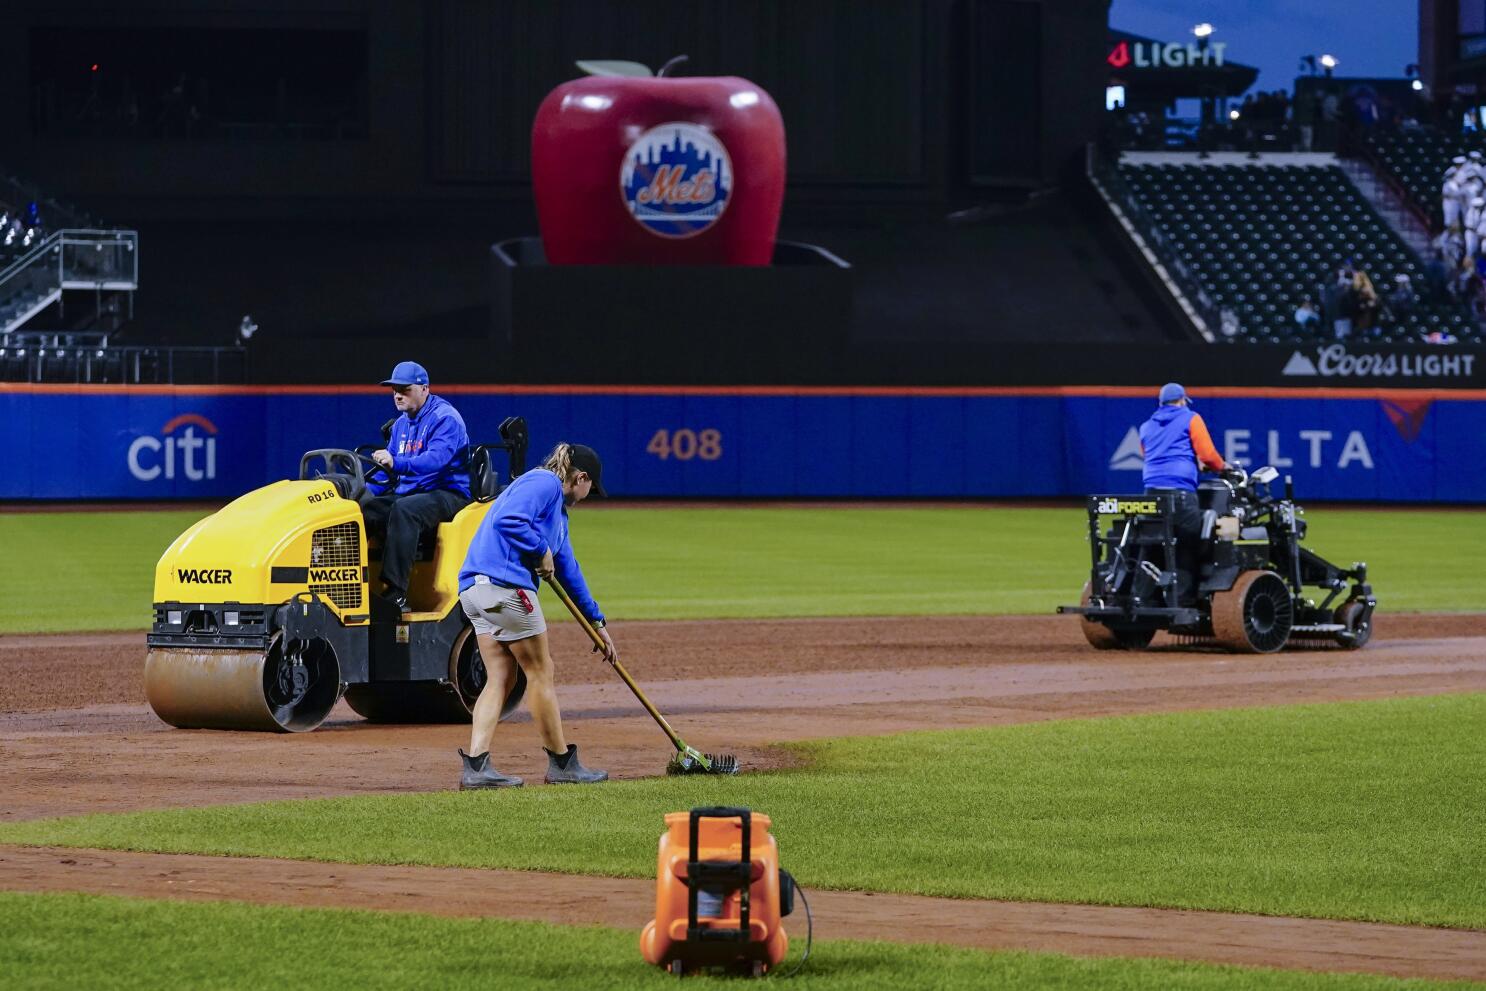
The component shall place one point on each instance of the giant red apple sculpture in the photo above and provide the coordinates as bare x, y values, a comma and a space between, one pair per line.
658, 170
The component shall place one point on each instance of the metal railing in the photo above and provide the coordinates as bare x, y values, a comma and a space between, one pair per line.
71, 258
1112, 184
89, 358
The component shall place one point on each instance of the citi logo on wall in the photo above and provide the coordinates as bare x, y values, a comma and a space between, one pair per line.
179, 451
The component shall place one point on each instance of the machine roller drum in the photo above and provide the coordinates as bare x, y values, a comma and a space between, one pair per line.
445, 701
284, 689
1356, 617
1101, 637
1255, 615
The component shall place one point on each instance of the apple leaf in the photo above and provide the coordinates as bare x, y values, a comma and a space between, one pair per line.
613, 67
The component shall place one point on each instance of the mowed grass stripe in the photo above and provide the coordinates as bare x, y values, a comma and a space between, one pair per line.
64, 942
1367, 811
705, 563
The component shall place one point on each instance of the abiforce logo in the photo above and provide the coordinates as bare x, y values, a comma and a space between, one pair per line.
192, 452
676, 179
1128, 506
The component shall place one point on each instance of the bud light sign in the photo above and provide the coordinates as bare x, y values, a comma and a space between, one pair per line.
676, 179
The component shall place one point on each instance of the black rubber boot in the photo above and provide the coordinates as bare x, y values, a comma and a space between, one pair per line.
478, 774
566, 770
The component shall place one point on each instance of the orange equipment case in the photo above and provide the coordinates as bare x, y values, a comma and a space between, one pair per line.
717, 894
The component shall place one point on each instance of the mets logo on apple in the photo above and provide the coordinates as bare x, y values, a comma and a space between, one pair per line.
676, 179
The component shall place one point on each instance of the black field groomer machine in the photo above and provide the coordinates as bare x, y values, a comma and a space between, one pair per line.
1251, 577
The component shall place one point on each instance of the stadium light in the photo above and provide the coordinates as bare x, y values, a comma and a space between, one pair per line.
1417, 84
1233, 115
1203, 30
1328, 62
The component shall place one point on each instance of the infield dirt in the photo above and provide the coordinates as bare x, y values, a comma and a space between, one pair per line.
76, 737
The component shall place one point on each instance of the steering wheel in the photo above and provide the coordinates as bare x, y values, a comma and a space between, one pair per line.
373, 472
352, 464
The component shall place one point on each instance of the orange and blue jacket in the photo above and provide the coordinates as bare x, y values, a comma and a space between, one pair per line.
1174, 440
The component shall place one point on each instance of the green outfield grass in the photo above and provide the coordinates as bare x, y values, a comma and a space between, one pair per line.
1352, 811
65, 942
682, 563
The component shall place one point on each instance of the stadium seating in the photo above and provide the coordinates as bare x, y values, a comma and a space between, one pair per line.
1417, 159
1259, 238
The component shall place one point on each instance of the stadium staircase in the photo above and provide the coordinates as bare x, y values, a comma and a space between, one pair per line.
1241, 240
99, 261
1388, 198
1414, 161
48, 248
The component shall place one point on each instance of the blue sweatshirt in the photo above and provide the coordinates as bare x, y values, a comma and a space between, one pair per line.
429, 450
527, 520
1174, 441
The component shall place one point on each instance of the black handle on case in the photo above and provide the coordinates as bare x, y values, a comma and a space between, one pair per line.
742, 872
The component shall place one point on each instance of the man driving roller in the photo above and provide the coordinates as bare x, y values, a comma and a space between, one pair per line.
1175, 441
426, 451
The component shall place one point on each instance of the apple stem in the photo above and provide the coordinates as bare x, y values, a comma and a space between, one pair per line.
675, 61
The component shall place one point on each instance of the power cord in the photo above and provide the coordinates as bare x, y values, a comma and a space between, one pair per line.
809, 933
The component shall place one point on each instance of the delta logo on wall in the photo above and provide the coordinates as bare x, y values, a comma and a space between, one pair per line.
186, 448
1313, 448
676, 179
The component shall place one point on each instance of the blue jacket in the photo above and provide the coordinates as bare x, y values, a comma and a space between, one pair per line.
430, 451
525, 521
1174, 441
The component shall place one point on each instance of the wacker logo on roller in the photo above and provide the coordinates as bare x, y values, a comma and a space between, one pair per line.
189, 453
329, 576
204, 576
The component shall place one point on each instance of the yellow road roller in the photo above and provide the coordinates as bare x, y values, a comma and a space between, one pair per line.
264, 615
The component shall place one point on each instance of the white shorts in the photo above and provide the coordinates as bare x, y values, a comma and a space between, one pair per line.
504, 613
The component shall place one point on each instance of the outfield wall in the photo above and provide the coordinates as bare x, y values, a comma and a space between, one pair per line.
115, 442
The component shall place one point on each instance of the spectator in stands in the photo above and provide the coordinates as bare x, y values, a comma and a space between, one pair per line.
1436, 274
1451, 191
1341, 304
1461, 282
1366, 305
1306, 318
1402, 299
1472, 225
1450, 245
1228, 324
427, 450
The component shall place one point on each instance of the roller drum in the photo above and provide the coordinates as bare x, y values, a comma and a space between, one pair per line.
194, 688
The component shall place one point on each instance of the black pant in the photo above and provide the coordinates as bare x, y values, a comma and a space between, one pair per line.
399, 520
1186, 523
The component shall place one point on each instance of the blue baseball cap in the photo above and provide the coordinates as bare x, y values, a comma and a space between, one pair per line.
1170, 392
409, 373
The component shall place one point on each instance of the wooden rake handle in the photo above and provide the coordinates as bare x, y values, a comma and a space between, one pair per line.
598, 642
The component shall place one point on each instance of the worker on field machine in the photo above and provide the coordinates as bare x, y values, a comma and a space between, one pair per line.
425, 455
1175, 441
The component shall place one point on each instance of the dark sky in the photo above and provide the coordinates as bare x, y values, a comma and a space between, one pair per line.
1369, 37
